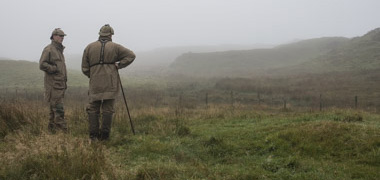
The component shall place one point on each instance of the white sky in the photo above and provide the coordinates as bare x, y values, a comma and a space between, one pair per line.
26, 25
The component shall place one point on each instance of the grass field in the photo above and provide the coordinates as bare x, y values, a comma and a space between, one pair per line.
218, 142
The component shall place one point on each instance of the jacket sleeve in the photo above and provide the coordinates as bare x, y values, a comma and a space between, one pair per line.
45, 64
85, 64
125, 57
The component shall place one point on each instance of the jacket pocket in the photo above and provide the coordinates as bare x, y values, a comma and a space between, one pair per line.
59, 77
59, 82
59, 85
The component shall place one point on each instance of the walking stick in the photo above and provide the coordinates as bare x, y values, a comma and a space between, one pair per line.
125, 102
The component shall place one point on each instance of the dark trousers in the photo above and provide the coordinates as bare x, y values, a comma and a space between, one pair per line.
93, 110
107, 106
57, 115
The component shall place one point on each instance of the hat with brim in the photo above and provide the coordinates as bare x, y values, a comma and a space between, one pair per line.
106, 30
57, 31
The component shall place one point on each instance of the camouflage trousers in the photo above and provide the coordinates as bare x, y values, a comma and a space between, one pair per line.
57, 115
94, 108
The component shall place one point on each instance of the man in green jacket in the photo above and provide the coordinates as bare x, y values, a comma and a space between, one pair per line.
52, 62
101, 61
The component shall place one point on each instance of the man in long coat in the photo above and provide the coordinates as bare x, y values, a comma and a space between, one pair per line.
52, 62
101, 61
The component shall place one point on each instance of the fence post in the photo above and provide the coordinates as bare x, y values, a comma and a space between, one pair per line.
284, 104
232, 99
320, 102
356, 102
26, 93
16, 93
179, 107
180, 100
206, 100
258, 97
272, 101
157, 101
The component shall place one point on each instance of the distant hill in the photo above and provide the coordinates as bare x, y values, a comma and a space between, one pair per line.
245, 63
20, 74
4, 58
27, 74
358, 54
166, 55
156, 61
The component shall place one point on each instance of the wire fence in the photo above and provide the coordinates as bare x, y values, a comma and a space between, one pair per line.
203, 99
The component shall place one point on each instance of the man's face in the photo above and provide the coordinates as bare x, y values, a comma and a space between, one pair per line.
58, 38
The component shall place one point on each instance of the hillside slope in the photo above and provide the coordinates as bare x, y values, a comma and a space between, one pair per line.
150, 60
20, 74
358, 54
27, 74
251, 62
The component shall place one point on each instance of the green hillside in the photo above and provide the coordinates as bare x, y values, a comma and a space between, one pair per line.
27, 74
20, 74
251, 62
358, 54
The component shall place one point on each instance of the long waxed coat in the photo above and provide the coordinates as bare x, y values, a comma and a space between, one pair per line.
52, 62
104, 81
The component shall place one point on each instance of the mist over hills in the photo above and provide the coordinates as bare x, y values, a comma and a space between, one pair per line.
20, 73
155, 62
327, 55
164, 56
5, 58
358, 54
246, 63
319, 55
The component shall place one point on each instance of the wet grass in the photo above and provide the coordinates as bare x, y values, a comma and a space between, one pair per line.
213, 143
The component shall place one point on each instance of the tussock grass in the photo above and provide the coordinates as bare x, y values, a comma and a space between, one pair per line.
28, 151
54, 157
15, 115
217, 142
328, 139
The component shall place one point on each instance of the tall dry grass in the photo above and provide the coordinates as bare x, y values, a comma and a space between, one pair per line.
220, 141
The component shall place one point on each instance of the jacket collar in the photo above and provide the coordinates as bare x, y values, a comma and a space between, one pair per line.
105, 38
57, 45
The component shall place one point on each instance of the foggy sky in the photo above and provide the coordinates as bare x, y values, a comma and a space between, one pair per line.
140, 25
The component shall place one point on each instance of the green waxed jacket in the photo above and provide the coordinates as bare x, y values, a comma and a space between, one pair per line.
104, 81
52, 62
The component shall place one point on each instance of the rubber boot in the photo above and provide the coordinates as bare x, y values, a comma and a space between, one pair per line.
106, 126
93, 127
